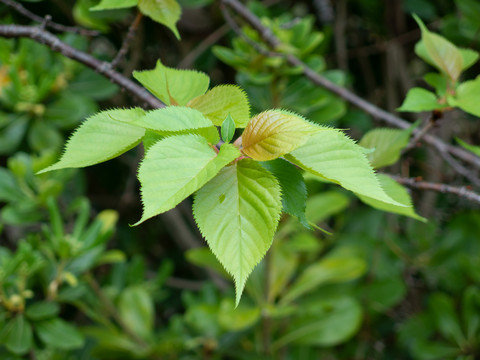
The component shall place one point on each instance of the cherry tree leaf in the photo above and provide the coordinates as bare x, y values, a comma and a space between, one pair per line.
337, 158
176, 167
222, 101
114, 4
176, 120
237, 213
294, 190
100, 138
388, 144
419, 99
396, 192
166, 12
444, 55
466, 97
169, 85
274, 133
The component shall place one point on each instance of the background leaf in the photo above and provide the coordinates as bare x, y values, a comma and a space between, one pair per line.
136, 309
166, 12
114, 4
419, 99
59, 334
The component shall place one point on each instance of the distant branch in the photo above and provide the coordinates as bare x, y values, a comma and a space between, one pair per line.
438, 187
103, 68
269, 38
132, 30
46, 21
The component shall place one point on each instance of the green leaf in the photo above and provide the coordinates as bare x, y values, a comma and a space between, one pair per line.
466, 97
341, 265
236, 319
42, 310
136, 309
398, 193
176, 167
59, 334
445, 56
203, 257
169, 85
438, 82
176, 120
237, 213
325, 204
474, 149
17, 335
166, 12
470, 311
99, 139
294, 190
325, 323
228, 129
114, 4
419, 99
388, 144
335, 157
469, 56
446, 318
274, 133
222, 101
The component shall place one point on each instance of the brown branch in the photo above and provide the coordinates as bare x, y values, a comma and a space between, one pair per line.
376, 112
47, 21
44, 37
438, 187
132, 30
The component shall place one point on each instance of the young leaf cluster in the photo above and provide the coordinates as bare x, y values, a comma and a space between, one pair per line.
451, 61
240, 188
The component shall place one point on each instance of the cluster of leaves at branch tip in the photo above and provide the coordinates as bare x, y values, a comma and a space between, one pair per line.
241, 188
166, 12
450, 61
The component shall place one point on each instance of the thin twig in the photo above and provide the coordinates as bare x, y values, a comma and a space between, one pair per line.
132, 30
44, 37
438, 187
267, 35
47, 20
459, 168
418, 135
211, 39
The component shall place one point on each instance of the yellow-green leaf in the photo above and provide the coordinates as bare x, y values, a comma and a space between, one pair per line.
396, 192
176, 167
114, 4
173, 86
445, 56
166, 12
221, 101
238, 212
274, 133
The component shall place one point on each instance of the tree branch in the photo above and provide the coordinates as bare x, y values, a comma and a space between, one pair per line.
46, 21
438, 187
378, 113
44, 37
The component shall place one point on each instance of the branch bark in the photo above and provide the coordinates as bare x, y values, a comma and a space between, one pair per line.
42, 36
463, 191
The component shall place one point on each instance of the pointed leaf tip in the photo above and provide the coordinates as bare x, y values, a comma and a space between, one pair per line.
237, 212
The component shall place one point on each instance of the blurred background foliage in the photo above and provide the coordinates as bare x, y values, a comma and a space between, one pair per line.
76, 282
